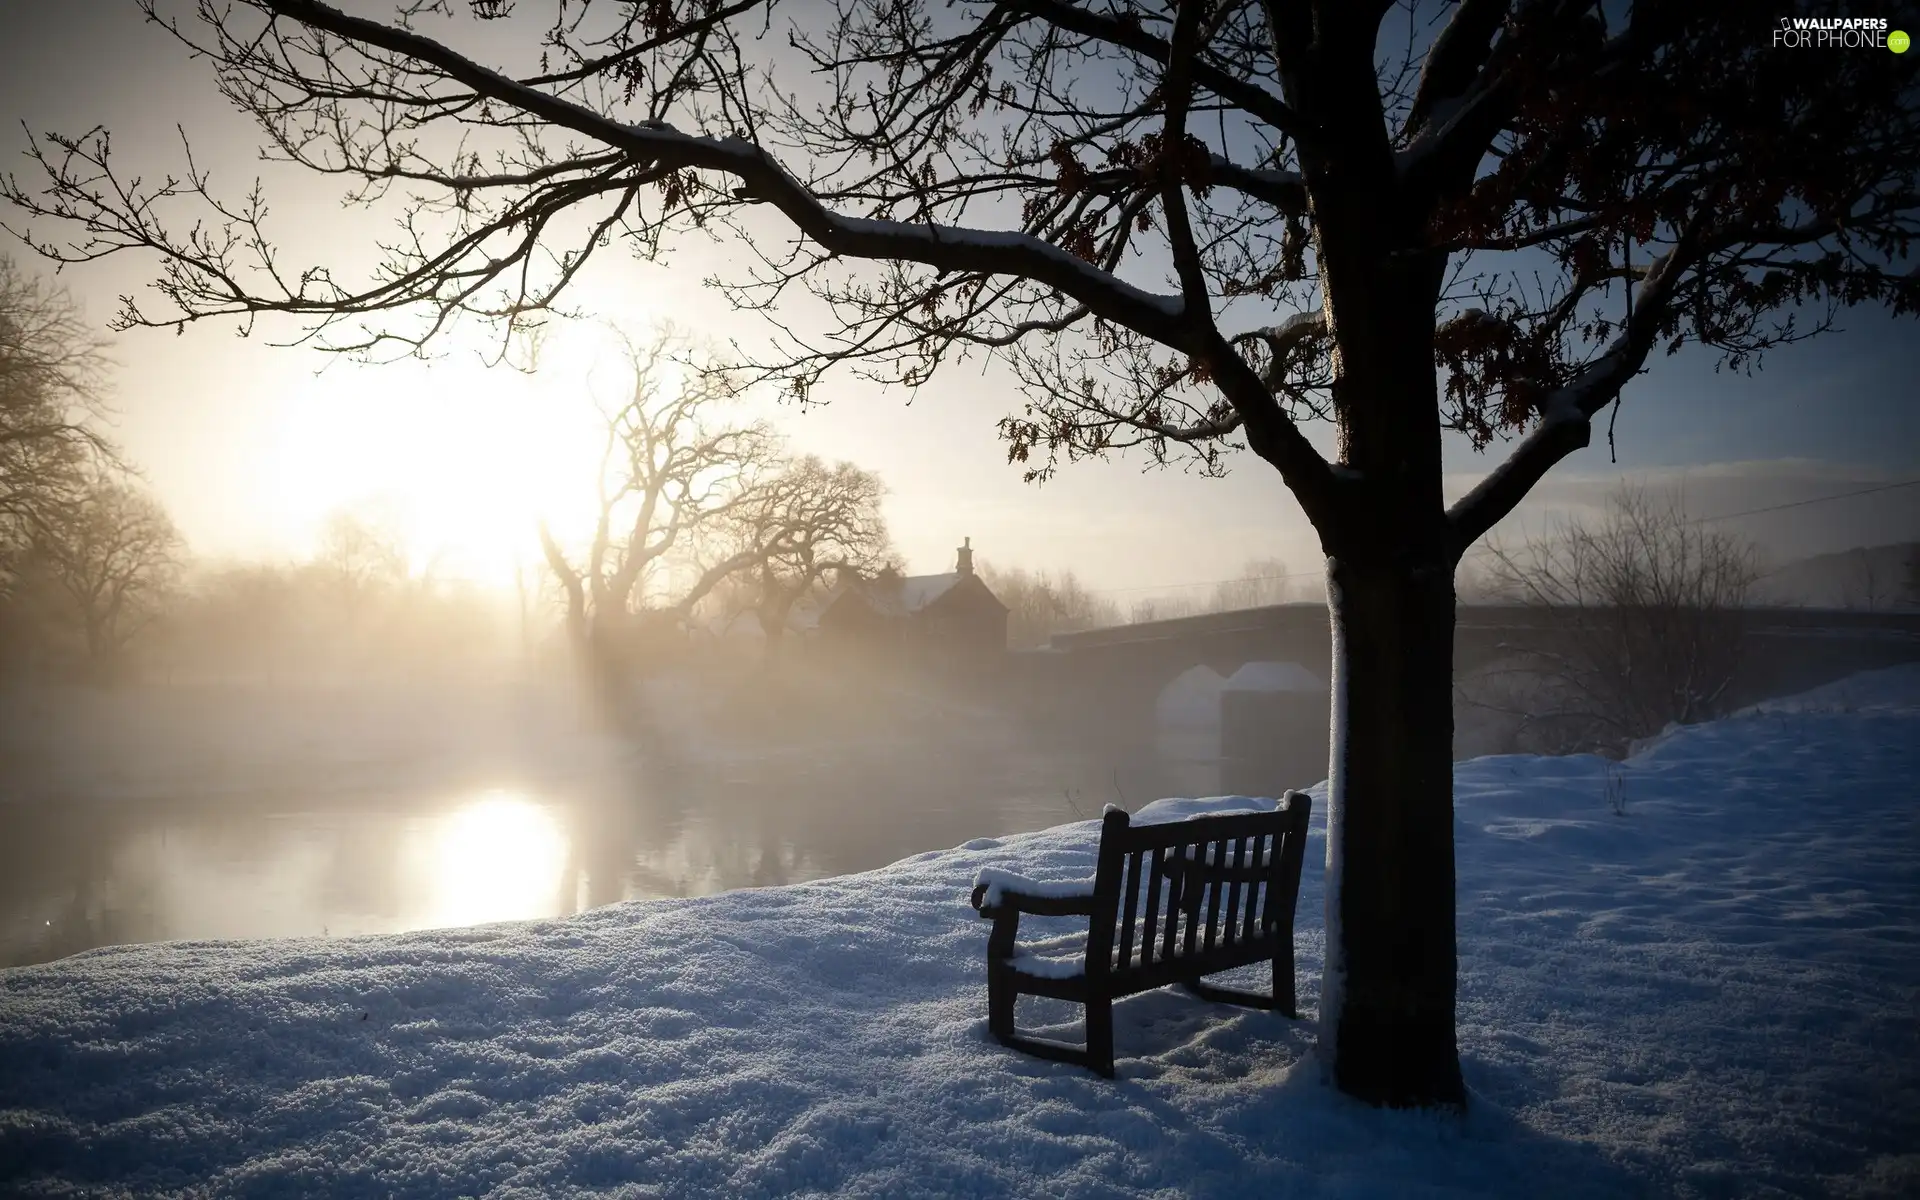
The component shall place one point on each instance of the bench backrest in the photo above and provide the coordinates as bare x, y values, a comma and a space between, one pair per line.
1181, 899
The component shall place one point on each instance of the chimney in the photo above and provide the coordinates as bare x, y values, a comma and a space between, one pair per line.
965, 565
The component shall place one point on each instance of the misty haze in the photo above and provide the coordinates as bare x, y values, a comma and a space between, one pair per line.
447, 770
1059, 597
325, 749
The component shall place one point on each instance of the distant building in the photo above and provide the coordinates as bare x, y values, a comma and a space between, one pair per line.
947, 621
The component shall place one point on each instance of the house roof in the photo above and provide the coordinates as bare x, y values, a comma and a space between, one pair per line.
918, 591
900, 595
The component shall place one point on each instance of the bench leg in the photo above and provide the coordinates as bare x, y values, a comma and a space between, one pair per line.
1098, 1054
1283, 997
1000, 991
1000, 997
1100, 1035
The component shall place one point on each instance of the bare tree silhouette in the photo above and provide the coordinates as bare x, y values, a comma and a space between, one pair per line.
1262, 581
1043, 603
51, 393
113, 554
671, 472
1643, 624
808, 523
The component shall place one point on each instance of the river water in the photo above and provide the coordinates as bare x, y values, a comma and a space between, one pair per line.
220, 812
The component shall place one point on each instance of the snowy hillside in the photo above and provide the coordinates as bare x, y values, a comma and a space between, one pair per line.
1693, 974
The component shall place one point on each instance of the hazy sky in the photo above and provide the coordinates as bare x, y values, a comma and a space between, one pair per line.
249, 447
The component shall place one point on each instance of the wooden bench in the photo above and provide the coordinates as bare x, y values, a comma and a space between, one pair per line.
1168, 903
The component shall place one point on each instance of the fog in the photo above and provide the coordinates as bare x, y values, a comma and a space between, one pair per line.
343, 746
292, 798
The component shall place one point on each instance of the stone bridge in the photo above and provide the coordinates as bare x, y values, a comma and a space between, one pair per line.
1109, 680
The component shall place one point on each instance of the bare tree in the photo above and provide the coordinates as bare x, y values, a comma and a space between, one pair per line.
113, 554
1863, 588
1043, 603
310, 622
255, 621
806, 524
361, 558
51, 384
1163, 608
360, 550
670, 473
1641, 624
1473, 585
1188, 226
1262, 582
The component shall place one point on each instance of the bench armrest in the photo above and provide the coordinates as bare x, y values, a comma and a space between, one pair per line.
995, 890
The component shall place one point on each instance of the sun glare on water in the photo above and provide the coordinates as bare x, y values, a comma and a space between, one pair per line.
499, 858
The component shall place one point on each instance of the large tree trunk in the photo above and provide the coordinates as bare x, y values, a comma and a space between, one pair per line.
599, 642
773, 625
1387, 1000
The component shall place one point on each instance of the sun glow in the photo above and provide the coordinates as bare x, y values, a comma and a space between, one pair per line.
500, 858
467, 460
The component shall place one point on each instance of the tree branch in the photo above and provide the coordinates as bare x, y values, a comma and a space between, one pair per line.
945, 247
1285, 190
1567, 412
1253, 98
1270, 432
1457, 55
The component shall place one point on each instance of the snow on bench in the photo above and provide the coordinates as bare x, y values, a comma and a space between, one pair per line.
998, 882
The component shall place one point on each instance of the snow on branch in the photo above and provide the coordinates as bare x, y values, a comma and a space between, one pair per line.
1458, 54
1286, 342
1298, 363
947, 248
648, 152
1566, 412
1285, 190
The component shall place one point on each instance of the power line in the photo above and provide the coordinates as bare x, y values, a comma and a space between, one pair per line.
1163, 587
1749, 512
1477, 550
1885, 487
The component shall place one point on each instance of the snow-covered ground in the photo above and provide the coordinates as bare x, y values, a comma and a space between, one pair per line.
1695, 973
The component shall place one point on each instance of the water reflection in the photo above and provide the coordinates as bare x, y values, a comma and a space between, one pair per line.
498, 858
73, 878
544, 836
